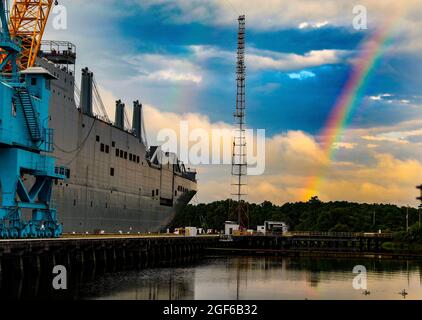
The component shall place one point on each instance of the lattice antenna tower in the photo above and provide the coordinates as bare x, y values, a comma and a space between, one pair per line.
239, 161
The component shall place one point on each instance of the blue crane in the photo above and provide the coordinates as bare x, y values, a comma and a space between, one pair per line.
27, 169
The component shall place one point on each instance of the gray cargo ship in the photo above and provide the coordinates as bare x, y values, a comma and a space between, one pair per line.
115, 182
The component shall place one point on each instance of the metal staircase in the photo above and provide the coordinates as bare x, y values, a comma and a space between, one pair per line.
31, 116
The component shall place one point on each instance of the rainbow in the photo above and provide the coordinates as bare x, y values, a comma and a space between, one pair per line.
371, 52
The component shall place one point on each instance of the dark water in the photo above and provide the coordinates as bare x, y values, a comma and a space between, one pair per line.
262, 278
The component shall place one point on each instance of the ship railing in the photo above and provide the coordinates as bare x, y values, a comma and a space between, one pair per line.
58, 48
103, 118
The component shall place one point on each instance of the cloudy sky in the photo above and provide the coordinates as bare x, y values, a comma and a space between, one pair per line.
178, 58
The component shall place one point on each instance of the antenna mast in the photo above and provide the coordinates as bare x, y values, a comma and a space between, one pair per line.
239, 163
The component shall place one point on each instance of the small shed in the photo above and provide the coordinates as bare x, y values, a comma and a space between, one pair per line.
275, 227
230, 227
191, 232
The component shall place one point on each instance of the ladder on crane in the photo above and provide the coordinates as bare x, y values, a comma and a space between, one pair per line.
24, 100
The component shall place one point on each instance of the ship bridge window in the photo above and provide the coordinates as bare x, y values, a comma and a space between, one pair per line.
97, 138
107, 149
156, 192
121, 154
33, 81
112, 172
130, 157
102, 147
126, 155
137, 159
153, 193
117, 152
113, 144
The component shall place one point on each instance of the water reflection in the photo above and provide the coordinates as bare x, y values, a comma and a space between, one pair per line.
265, 278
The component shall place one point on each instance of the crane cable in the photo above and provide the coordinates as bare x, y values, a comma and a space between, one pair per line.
143, 133
127, 120
79, 147
99, 100
77, 96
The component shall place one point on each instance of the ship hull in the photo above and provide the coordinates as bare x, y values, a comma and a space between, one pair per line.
112, 186
141, 214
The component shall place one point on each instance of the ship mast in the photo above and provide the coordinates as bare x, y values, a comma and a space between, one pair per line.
239, 163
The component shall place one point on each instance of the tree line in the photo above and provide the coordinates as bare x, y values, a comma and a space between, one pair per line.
314, 215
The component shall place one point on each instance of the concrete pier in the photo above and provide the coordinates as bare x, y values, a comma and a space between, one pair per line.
307, 242
99, 253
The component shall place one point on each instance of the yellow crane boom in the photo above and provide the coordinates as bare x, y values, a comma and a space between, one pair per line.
27, 21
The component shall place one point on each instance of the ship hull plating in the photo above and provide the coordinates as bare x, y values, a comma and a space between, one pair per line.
112, 187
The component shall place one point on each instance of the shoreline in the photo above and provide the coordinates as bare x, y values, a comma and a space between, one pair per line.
313, 253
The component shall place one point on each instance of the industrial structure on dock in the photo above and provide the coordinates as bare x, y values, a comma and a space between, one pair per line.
239, 158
